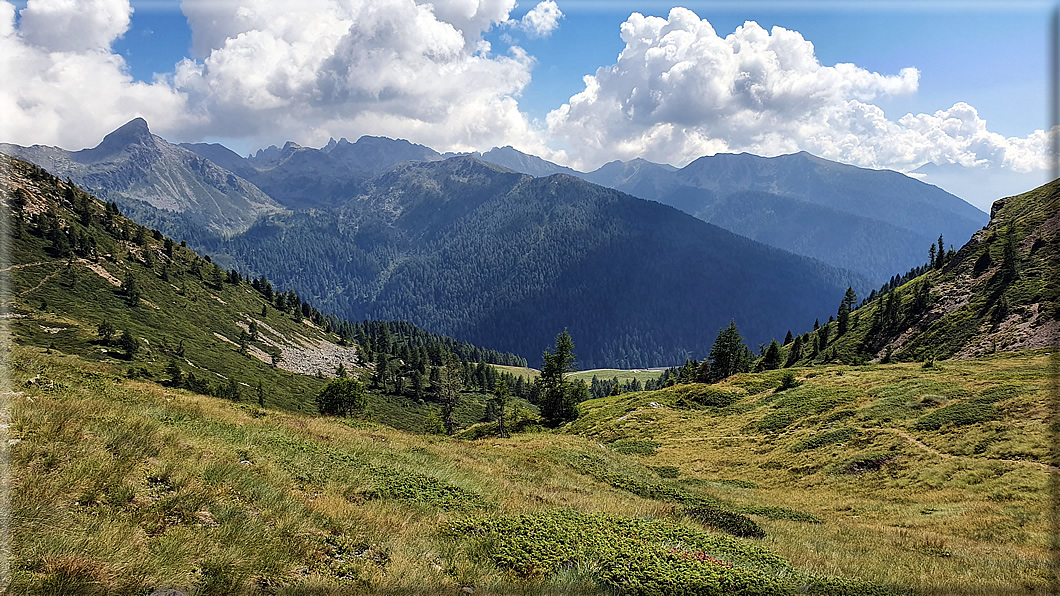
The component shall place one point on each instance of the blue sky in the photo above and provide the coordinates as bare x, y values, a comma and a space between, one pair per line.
992, 56
205, 70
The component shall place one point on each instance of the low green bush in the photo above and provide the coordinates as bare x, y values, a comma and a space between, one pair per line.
667, 471
961, 414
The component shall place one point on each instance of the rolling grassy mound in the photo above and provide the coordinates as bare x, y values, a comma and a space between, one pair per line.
936, 478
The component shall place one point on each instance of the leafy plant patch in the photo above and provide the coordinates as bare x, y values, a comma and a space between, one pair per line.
782, 513
667, 471
411, 487
635, 556
962, 414
701, 508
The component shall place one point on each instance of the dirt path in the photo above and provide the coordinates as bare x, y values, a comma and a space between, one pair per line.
923, 446
24, 265
42, 282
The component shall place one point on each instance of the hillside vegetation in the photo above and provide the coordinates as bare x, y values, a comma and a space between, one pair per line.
880, 478
999, 292
78, 266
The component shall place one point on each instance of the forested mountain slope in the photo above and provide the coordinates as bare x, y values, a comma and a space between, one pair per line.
87, 282
874, 222
479, 252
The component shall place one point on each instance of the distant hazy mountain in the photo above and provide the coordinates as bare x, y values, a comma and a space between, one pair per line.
160, 184
478, 251
303, 177
518, 161
875, 222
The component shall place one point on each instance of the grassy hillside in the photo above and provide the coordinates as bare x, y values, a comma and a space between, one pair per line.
933, 478
889, 476
73, 260
884, 478
999, 292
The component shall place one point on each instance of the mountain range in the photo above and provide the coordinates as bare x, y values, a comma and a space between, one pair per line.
473, 250
156, 182
507, 248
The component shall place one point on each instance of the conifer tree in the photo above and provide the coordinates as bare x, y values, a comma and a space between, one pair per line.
557, 399
729, 355
795, 353
106, 331
450, 383
771, 359
501, 397
129, 344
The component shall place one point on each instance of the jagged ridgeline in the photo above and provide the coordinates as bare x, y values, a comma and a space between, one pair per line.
88, 281
998, 292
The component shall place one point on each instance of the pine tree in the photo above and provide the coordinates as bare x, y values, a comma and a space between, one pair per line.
131, 289
729, 355
176, 375
501, 397
557, 399
106, 331
129, 344
795, 353
450, 383
771, 359
788, 338
850, 299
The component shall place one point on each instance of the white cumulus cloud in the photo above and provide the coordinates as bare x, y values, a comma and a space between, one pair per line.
62, 85
679, 91
402, 68
74, 25
542, 20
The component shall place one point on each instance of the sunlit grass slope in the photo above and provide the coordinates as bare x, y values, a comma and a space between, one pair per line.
935, 478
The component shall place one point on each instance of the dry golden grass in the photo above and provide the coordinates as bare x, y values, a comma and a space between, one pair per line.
123, 486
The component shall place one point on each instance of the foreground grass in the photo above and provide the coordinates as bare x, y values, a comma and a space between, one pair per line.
881, 475
122, 486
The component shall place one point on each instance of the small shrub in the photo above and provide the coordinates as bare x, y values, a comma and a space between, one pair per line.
868, 462
667, 471
788, 381
726, 521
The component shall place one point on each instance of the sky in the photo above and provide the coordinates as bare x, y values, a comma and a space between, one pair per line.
952, 92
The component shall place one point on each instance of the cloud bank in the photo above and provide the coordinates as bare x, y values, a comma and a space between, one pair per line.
262, 72
679, 91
